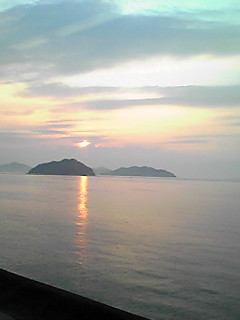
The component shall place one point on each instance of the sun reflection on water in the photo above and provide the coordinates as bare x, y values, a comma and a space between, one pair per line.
82, 217
82, 208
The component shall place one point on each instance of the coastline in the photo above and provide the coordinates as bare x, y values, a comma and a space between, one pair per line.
24, 298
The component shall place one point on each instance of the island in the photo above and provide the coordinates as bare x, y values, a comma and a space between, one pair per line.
141, 171
101, 171
14, 167
69, 167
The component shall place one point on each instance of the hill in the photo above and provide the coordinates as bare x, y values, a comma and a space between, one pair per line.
101, 170
14, 167
141, 171
70, 167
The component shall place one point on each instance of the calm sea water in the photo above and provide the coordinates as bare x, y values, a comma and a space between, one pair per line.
160, 248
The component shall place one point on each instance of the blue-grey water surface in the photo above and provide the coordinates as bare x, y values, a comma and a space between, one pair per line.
160, 248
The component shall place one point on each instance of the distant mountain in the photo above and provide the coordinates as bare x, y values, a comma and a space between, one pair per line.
70, 167
14, 167
141, 171
101, 170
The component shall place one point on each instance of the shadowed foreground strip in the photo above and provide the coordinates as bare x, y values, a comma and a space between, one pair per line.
23, 298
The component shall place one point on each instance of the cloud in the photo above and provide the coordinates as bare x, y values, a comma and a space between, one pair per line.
201, 96
236, 124
188, 141
17, 142
204, 138
51, 132
51, 129
224, 140
25, 72
6, 4
19, 138
230, 120
59, 131
53, 34
17, 113
187, 96
61, 90
58, 125
173, 6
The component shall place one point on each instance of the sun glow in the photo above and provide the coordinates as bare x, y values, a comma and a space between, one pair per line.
209, 70
83, 144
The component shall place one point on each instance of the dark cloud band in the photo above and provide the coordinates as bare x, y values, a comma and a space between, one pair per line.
40, 35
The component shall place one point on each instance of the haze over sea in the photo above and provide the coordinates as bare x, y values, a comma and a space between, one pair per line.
160, 248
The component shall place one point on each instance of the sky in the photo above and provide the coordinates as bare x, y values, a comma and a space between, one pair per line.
117, 83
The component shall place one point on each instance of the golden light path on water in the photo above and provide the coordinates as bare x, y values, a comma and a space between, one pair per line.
82, 217
82, 208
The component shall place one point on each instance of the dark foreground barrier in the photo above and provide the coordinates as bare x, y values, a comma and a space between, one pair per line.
23, 298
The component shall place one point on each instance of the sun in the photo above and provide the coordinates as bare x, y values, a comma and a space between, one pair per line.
83, 144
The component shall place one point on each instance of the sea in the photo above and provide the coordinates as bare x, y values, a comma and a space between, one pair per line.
162, 248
